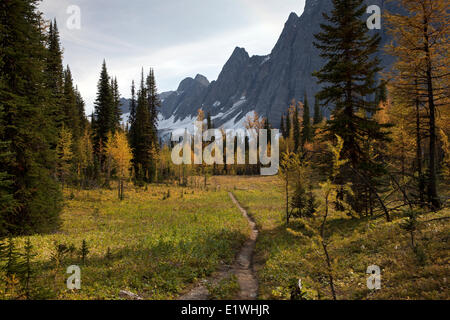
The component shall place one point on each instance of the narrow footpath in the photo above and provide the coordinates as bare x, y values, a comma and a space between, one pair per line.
242, 268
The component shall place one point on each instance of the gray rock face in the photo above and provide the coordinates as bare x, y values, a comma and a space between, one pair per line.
125, 105
186, 99
265, 84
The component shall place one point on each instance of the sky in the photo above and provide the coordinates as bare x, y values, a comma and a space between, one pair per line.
178, 38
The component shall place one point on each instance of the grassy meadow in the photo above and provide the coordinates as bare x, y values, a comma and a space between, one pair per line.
161, 241
354, 244
154, 243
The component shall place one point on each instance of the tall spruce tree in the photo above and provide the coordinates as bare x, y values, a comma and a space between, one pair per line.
318, 116
267, 126
153, 104
283, 127
132, 118
54, 72
306, 129
209, 124
81, 111
117, 111
104, 113
296, 129
70, 107
143, 130
349, 81
288, 125
29, 128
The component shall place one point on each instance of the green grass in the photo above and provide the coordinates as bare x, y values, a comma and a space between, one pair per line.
226, 289
282, 257
157, 247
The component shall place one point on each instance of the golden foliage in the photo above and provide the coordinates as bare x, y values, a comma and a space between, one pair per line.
120, 152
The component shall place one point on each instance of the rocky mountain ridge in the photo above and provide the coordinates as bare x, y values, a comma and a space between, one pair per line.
262, 84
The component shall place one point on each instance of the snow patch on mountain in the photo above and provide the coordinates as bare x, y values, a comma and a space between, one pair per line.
265, 60
125, 118
240, 124
172, 124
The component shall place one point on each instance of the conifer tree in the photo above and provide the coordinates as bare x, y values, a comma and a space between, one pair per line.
117, 111
27, 271
296, 129
318, 117
143, 130
70, 107
12, 266
422, 68
54, 66
28, 122
209, 124
104, 116
288, 125
347, 48
349, 80
54, 72
84, 251
65, 154
153, 104
306, 129
381, 93
267, 126
132, 122
81, 110
283, 126
132, 117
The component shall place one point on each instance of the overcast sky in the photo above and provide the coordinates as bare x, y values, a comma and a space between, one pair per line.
178, 38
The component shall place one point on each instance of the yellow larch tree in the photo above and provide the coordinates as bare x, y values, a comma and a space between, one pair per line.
119, 151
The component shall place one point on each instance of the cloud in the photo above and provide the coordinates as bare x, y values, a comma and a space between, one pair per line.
177, 38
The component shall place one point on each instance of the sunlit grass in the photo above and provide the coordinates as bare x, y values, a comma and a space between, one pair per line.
163, 239
355, 244
157, 245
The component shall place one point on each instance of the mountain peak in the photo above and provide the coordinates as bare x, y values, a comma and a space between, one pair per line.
288, 34
240, 52
292, 17
185, 83
202, 79
291, 21
262, 84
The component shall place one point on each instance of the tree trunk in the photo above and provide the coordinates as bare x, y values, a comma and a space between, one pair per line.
287, 200
433, 197
325, 250
375, 193
419, 148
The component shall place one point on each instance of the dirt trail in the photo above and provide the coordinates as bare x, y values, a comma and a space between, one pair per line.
242, 268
